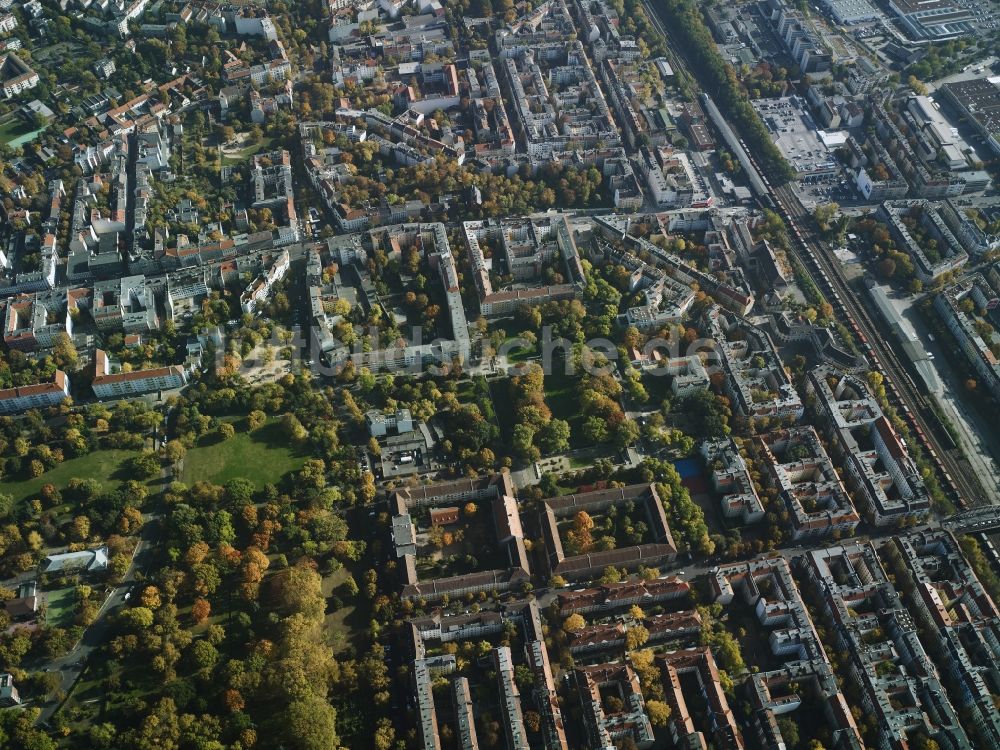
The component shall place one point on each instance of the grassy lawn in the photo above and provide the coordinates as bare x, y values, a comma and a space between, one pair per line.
103, 466
508, 325
499, 392
261, 456
345, 624
512, 330
519, 354
561, 397
83, 705
466, 391
15, 128
233, 158
60, 606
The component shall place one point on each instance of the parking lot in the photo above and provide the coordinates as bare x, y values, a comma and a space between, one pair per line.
834, 189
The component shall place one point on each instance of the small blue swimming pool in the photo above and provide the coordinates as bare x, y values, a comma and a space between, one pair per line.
688, 467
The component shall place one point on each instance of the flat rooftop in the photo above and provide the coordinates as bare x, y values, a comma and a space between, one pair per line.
795, 134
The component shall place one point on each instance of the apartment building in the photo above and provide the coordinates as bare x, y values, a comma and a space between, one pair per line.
960, 618
700, 664
611, 636
153, 147
526, 247
108, 384
728, 287
610, 597
756, 381
664, 301
15, 75
496, 492
33, 322
899, 685
878, 177
975, 240
800, 686
510, 700
465, 717
799, 469
659, 548
605, 727
39, 396
938, 251
805, 677
926, 179
40, 278
878, 465
255, 295
427, 632
8, 691
546, 85
730, 478
127, 304
961, 307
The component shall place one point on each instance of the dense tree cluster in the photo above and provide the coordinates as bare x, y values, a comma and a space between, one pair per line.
686, 517
604, 420
941, 60
891, 263
720, 78
83, 508
225, 641
556, 184
535, 431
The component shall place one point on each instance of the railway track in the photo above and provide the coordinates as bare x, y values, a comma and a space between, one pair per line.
956, 475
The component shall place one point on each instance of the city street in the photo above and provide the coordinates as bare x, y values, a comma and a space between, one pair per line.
72, 664
977, 435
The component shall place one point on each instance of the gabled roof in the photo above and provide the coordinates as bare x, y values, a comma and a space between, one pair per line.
96, 559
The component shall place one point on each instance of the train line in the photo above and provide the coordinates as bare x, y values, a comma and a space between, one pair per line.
956, 475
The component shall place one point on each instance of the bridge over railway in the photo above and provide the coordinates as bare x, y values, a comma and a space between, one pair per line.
981, 519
